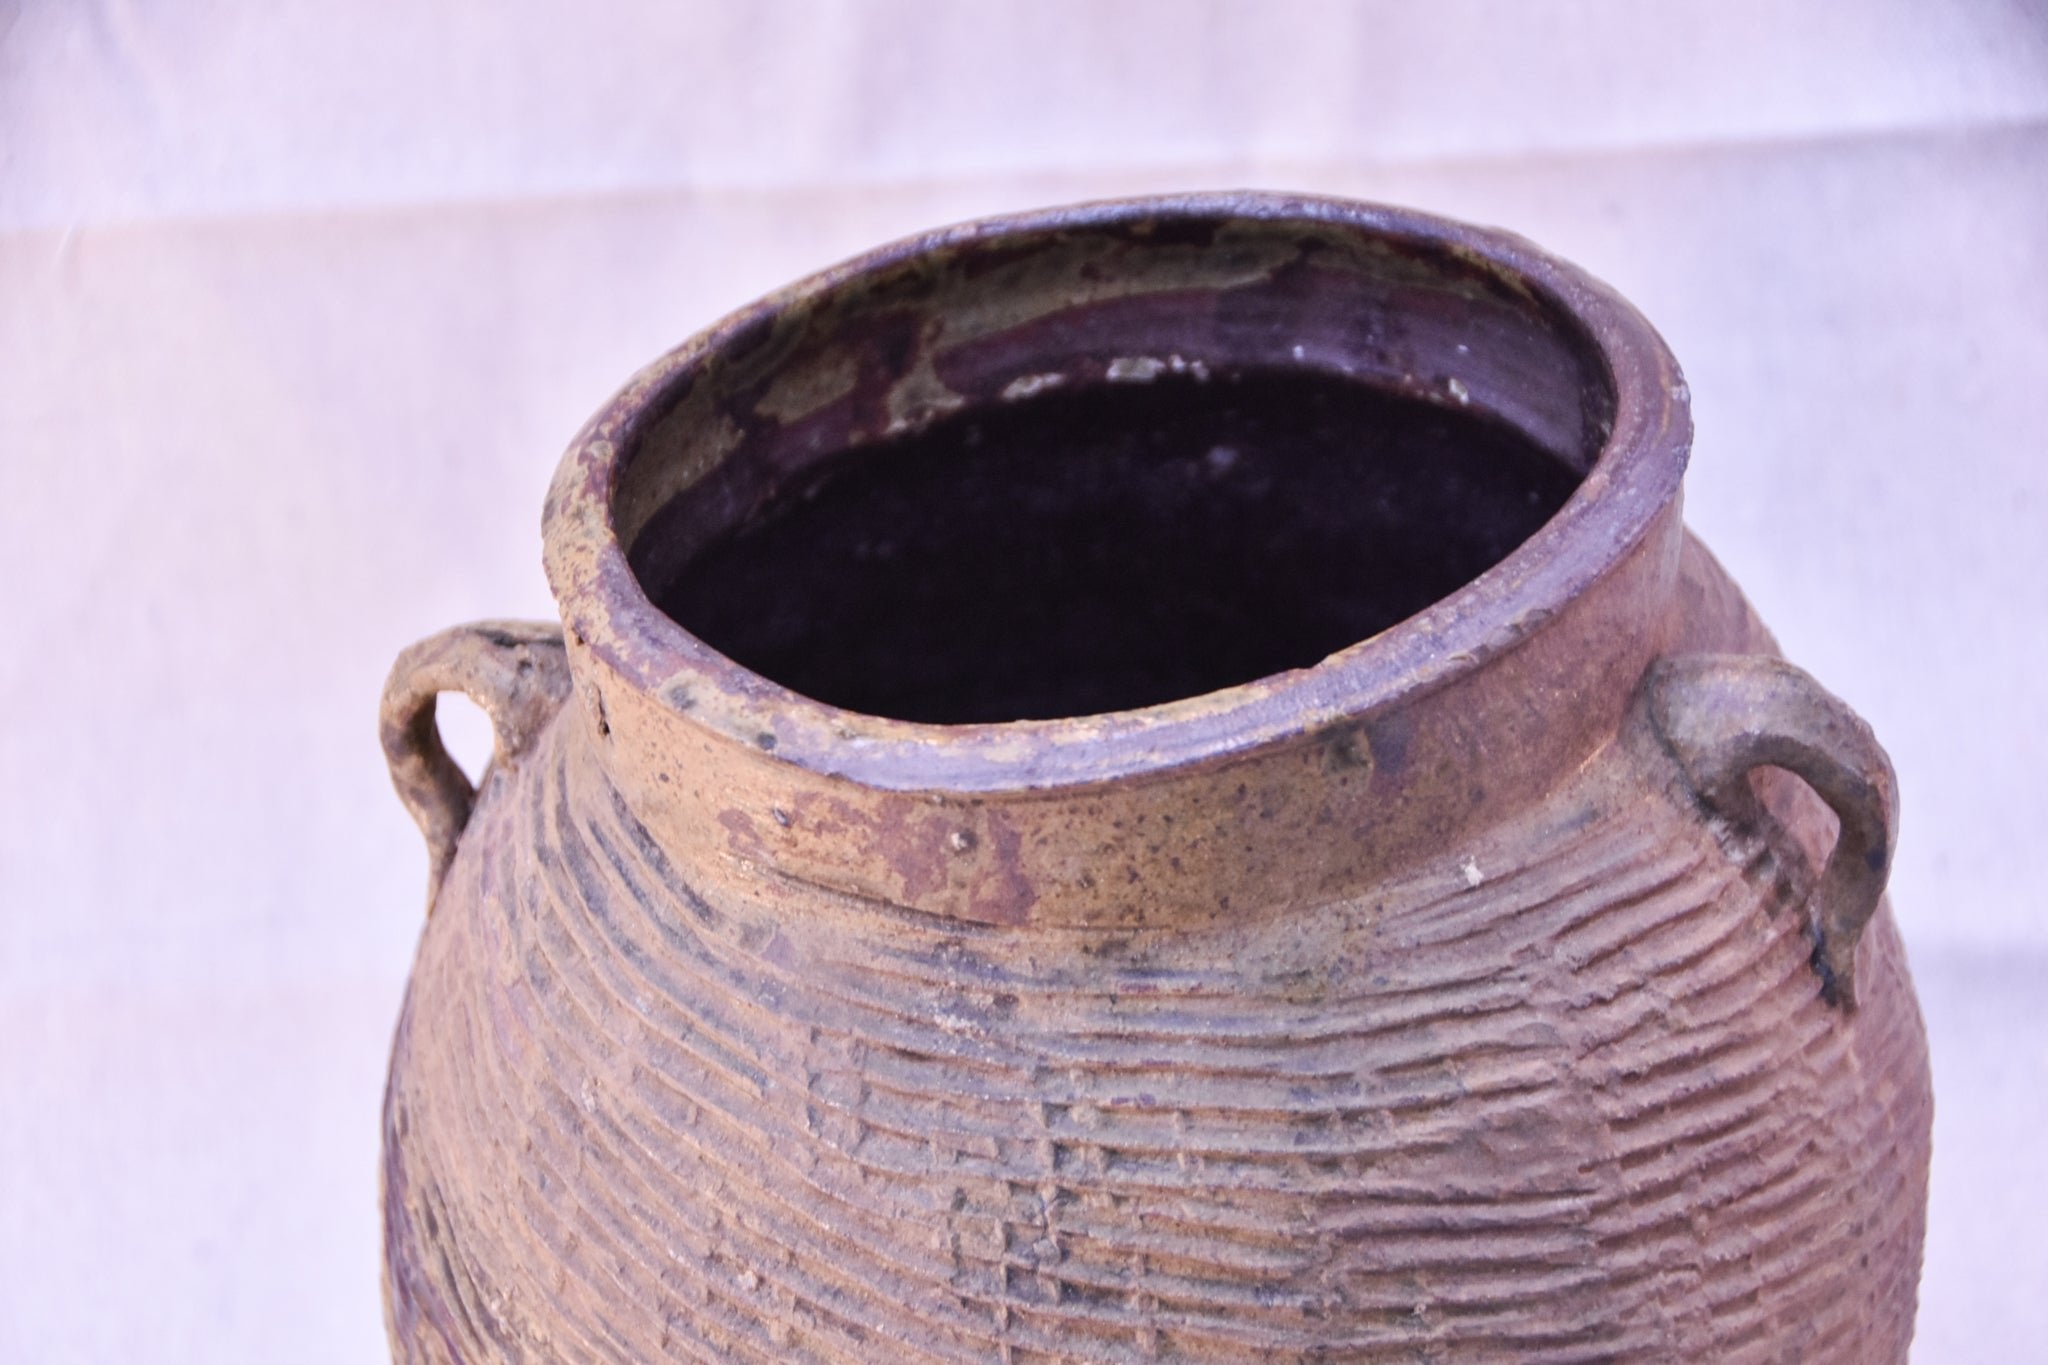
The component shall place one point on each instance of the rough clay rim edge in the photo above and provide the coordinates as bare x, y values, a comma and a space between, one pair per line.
1635, 476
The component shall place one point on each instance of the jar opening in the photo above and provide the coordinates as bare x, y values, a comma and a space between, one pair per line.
1104, 547
1101, 467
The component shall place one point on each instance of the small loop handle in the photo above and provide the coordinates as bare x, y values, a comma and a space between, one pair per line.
517, 671
1723, 715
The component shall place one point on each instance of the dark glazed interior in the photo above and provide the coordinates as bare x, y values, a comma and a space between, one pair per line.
1111, 547
1105, 470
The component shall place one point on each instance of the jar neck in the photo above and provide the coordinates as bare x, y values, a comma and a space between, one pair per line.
1327, 808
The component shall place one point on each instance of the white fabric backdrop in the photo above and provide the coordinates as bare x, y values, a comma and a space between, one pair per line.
299, 304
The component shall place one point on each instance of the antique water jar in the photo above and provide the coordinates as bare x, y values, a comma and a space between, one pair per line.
1152, 780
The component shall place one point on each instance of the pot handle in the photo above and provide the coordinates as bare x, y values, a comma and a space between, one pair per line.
1721, 715
517, 671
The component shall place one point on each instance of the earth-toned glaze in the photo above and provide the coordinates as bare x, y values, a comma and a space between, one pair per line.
1514, 984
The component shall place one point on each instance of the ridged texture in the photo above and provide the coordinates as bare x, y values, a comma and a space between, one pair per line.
1586, 1108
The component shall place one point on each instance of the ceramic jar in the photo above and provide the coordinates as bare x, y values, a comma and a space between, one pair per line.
1512, 983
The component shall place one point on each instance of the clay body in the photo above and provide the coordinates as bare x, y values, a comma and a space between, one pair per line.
1512, 984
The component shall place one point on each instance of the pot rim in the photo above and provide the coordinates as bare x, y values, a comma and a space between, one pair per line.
1634, 477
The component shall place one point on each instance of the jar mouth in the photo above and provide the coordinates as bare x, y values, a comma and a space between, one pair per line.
1146, 306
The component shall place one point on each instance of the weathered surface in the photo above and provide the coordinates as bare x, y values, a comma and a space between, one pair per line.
1446, 1000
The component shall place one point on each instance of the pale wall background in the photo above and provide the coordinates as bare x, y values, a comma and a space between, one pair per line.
299, 304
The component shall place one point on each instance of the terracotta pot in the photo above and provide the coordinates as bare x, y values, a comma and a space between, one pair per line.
1512, 984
